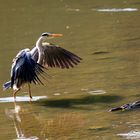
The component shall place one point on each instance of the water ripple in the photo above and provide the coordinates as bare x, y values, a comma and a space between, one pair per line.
97, 92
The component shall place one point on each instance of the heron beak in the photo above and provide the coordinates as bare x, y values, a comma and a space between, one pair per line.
56, 35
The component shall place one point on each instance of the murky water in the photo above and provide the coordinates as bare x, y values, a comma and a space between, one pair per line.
106, 34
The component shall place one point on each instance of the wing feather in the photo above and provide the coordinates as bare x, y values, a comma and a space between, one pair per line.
54, 56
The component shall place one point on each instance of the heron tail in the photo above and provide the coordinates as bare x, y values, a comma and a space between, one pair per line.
7, 85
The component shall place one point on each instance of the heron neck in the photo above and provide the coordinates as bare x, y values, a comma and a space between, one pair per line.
39, 43
39, 47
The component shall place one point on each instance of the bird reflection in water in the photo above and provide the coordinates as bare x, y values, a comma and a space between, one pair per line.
31, 125
26, 128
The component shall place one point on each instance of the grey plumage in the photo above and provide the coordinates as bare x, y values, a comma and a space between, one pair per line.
28, 65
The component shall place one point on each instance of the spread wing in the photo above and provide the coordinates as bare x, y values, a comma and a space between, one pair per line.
54, 56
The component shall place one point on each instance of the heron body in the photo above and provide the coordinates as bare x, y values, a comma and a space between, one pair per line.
29, 64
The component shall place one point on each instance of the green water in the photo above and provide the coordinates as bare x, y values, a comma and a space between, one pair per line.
78, 99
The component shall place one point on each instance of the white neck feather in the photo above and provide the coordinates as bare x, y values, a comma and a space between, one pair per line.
39, 47
39, 42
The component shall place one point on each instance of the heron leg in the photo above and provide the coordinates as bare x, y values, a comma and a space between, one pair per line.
29, 87
14, 93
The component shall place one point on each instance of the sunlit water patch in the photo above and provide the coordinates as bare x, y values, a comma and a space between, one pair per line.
21, 99
84, 89
116, 10
57, 94
132, 135
72, 9
30, 138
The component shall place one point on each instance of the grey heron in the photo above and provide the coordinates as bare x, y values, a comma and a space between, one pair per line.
29, 64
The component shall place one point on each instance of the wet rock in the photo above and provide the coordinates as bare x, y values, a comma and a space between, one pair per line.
129, 106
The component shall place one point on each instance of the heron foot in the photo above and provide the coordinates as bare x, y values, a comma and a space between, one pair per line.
31, 98
14, 94
30, 95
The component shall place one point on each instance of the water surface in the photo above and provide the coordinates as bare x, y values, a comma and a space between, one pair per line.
78, 99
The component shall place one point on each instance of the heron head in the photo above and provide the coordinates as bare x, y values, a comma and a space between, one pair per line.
50, 35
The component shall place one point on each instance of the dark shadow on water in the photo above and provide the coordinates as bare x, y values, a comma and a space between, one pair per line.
86, 100
100, 52
106, 58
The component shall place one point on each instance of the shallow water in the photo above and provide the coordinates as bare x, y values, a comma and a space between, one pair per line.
78, 99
